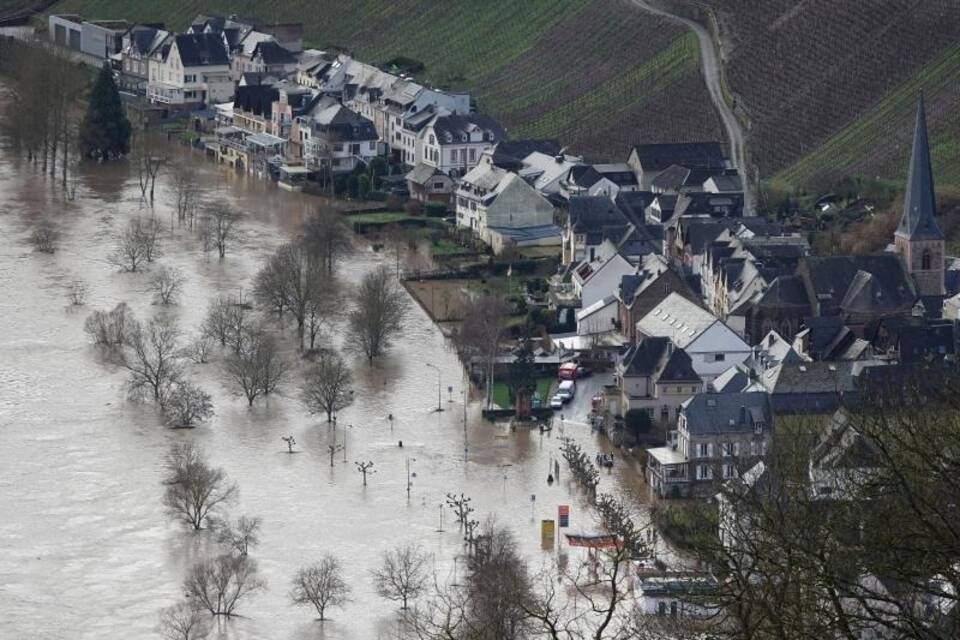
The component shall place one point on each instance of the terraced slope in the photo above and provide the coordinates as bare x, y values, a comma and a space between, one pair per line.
831, 86
596, 74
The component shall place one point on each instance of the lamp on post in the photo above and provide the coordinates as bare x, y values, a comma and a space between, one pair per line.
439, 387
409, 484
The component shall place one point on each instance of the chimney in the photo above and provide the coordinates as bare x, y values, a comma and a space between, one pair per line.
743, 414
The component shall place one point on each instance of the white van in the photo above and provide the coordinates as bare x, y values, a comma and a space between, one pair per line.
567, 389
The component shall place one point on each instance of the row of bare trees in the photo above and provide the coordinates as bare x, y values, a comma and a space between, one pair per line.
40, 118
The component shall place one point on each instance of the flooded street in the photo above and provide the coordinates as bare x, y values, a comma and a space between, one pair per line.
86, 550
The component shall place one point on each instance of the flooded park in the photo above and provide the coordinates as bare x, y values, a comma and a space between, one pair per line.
87, 549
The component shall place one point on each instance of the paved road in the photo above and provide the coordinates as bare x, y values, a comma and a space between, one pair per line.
712, 71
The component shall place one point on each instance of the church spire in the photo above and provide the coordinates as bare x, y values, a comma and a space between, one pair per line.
920, 206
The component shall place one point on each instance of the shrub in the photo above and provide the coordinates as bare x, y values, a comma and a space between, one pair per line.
413, 207
435, 209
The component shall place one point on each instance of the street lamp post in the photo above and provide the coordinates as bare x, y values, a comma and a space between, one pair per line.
439, 387
409, 460
349, 426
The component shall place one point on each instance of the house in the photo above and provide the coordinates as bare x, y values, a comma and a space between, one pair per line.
648, 161
912, 340
589, 221
710, 343
598, 318
546, 171
677, 596
292, 102
140, 45
599, 179
269, 57
195, 71
491, 200
334, 137
593, 281
656, 377
640, 292
102, 39
510, 154
253, 107
718, 437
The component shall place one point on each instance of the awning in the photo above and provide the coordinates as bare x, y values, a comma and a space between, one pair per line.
597, 541
264, 140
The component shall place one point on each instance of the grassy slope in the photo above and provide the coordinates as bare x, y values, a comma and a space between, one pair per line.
830, 86
593, 73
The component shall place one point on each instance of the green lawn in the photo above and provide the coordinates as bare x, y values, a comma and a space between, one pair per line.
501, 393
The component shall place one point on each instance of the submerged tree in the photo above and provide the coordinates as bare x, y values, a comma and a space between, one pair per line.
195, 490
322, 585
327, 385
257, 368
186, 405
105, 131
482, 332
402, 576
153, 358
220, 584
240, 535
379, 309
184, 621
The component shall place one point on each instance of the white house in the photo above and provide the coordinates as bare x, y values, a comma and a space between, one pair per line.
546, 172
601, 280
336, 137
490, 198
195, 71
712, 345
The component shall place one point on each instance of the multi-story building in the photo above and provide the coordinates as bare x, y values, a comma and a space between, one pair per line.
336, 137
194, 71
141, 46
718, 437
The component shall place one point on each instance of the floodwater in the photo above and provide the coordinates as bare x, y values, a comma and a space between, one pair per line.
86, 550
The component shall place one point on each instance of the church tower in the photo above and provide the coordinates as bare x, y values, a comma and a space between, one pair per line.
918, 238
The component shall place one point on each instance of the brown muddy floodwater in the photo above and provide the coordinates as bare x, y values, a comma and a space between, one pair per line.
86, 550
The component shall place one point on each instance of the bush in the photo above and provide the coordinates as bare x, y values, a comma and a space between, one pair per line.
413, 207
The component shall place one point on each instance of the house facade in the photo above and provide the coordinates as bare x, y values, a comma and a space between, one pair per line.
194, 71
718, 437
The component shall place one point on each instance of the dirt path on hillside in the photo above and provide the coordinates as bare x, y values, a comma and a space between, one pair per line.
712, 72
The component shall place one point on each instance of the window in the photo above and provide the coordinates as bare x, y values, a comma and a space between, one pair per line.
338, 147
729, 471
473, 155
453, 155
355, 149
438, 185
433, 139
726, 449
719, 357
704, 472
703, 450
926, 260
190, 78
661, 608
664, 413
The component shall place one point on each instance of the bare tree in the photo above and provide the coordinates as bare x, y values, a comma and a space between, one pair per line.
167, 283
45, 237
148, 157
257, 368
77, 292
221, 226
241, 535
461, 507
326, 239
186, 194
195, 490
130, 252
322, 585
198, 351
186, 405
365, 468
227, 322
482, 332
402, 576
220, 584
379, 309
148, 232
327, 385
269, 285
153, 357
111, 328
183, 621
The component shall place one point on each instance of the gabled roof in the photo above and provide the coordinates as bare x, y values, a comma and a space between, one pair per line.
272, 53
256, 98
714, 413
583, 176
633, 204
201, 49
509, 154
920, 202
715, 205
422, 173
678, 319
863, 284
594, 213
657, 358
657, 157
456, 126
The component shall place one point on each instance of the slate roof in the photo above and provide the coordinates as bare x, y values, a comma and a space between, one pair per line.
256, 98
698, 234
657, 157
785, 291
583, 176
459, 125
863, 284
657, 358
633, 204
272, 53
726, 182
734, 379
715, 205
201, 49
677, 318
509, 154
594, 214
920, 202
715, 413
340, 124
421, 174
651, 267
619, 173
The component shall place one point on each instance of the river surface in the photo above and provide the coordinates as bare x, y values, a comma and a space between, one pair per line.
86, 550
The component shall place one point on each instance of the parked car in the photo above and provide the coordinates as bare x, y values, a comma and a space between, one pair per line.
567, 389
556, 402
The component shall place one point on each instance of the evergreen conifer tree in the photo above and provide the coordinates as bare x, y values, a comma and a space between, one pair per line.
105, 132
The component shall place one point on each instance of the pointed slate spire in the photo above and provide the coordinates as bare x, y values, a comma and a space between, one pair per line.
920, 206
